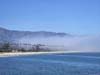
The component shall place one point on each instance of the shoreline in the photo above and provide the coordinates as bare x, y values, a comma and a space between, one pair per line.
9, 54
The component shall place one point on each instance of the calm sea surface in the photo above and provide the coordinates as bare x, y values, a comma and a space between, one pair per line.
51, 64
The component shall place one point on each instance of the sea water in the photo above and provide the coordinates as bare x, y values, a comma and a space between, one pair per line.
51, 64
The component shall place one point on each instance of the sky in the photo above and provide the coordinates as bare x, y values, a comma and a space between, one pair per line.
70, 16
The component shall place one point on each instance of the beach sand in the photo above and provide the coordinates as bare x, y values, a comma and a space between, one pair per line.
7, 54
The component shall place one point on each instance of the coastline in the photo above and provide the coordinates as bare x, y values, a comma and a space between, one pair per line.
9, 54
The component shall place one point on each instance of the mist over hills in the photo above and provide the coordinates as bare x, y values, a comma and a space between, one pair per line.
12, 35
60, 41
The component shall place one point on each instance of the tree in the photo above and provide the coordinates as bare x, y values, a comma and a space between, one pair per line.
6, 47
22, 50
37, 47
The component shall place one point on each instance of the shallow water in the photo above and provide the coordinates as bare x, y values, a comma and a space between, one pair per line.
51, 64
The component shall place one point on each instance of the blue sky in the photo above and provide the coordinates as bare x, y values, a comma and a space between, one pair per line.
70, 16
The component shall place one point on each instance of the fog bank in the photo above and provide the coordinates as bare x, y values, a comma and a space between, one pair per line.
77, 43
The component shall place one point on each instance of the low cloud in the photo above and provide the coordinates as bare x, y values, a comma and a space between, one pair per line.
77, 43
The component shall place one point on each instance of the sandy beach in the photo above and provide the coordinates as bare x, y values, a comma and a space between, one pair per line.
31, 53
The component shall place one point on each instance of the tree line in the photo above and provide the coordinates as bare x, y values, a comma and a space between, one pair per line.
7, 47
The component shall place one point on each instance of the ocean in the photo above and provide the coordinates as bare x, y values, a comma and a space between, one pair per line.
51, 64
